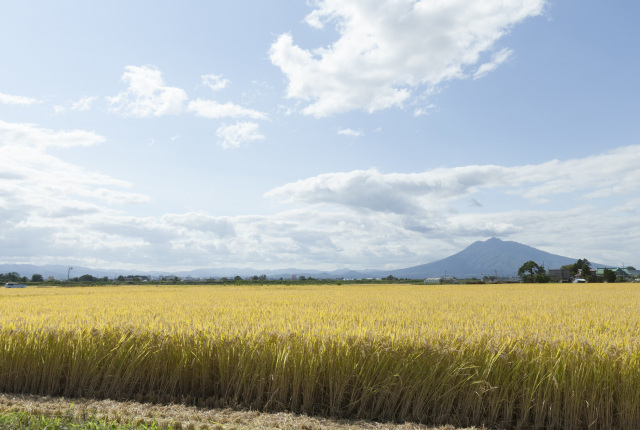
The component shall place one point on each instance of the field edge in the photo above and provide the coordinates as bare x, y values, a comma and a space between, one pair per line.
176, 416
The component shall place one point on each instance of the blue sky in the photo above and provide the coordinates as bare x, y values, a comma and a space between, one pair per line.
320, 134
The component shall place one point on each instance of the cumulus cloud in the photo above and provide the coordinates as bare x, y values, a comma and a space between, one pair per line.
232, 136
48, 204
47, 181
17, 100
147, 94
213, 109
387, 50
397, 192
351, 132
613, 172
320, 238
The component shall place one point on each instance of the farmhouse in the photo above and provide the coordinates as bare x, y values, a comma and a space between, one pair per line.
560, 275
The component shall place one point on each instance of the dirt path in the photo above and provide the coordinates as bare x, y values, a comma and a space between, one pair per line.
188, 417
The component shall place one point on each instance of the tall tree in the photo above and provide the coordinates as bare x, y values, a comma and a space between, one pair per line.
532, 272
609, 275
581, 268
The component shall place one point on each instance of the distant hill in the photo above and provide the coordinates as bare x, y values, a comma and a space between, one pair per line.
490, 257
485, 258
61, 272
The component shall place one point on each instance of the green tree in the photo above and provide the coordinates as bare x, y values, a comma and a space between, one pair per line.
532, 272
609, 275
36, 277
581, 268
12, 277
86, 279
542, 277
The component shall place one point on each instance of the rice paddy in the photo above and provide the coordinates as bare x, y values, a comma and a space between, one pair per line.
512, 356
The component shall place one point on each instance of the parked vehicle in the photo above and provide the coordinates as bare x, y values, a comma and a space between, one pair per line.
14, 285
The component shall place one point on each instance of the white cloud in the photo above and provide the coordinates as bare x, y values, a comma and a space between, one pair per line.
232, 136
604, 175
32, 135
84, 104
309, 237
611, 173
52, 211
215, 82
350, 132
203, 222
388, 49
497, 59
394, 193
17, 100
43, 176
47, 204
424, 110
147, 94
213, 109
416, 213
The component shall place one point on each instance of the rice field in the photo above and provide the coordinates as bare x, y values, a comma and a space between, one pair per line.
556, 356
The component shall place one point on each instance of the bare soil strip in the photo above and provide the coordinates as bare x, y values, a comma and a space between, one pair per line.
187, 417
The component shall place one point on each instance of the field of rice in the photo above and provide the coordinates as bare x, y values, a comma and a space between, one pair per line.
556, 356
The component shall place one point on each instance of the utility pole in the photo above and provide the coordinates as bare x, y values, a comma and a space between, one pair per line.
69, 274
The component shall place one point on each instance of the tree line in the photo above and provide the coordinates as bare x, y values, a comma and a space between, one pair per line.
15, 277
532, 272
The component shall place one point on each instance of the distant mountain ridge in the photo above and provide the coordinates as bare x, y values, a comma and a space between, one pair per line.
491, 257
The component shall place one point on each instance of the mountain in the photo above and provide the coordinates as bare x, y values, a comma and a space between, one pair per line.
486, 258
490, 257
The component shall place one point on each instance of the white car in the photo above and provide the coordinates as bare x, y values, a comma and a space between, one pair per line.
579, 281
